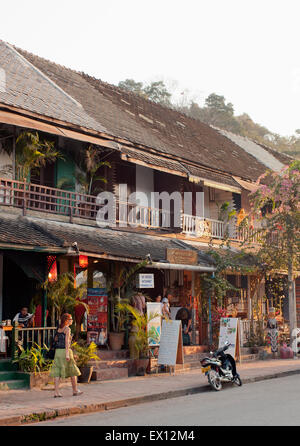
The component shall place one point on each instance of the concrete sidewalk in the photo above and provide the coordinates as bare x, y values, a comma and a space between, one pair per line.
18, 407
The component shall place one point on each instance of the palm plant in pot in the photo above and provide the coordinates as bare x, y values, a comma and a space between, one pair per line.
83, 354
120, 290
141, 333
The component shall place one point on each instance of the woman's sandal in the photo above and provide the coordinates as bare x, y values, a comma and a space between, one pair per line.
58, 396
79, 392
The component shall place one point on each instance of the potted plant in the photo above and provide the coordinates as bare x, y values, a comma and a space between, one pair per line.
63, 296
120, 290
83, 354
141, 333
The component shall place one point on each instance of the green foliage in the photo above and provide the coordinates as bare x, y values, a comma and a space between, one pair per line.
120, 288
33, 153
256, 336
140, 323
62, 296
85, 353
226, 260
155, 91
32, 360
89, 166
276, 203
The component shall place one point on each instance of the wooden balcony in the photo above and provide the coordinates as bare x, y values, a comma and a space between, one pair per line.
208, 227
34, 197
29, 196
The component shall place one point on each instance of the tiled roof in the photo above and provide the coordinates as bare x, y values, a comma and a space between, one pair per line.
17, 230
38, 85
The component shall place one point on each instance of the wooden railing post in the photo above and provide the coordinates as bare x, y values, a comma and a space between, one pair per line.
14, 342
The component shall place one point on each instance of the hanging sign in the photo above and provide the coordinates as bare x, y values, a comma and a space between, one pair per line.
154, 325
229, 332
97, 301
145, 281
182, 256
171, 348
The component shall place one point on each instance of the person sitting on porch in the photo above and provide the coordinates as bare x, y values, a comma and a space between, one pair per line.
185, 315
24, 319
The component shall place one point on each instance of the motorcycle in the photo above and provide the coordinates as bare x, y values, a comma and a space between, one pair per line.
220, 368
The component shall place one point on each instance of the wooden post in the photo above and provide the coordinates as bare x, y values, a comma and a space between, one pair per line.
14, 342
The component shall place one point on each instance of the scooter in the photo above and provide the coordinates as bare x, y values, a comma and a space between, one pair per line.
220, 368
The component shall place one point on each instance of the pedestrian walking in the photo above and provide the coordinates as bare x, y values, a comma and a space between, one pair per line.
64, 365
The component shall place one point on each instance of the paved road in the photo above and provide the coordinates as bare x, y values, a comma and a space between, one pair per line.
269, 403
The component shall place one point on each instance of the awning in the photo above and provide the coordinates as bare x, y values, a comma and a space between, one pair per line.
26, 122
176, 266
246, 184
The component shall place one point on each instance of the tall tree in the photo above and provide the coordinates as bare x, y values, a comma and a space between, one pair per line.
157, 92
133, 86
276, 202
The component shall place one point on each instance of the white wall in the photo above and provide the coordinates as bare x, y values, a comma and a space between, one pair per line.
145, 184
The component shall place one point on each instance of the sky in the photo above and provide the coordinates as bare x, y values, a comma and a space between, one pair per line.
247, 51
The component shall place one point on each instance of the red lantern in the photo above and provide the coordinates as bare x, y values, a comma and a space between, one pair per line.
52, 276
83, 261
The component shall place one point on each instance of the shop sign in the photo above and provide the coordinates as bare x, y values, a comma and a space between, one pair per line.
171, 347
145, 281
182, 256
229, 332
97, 301
154, 324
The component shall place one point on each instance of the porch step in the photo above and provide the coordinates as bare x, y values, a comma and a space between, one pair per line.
112, 364
6, 364
8, 375
194, 349
11, 378
109, 373
112, 354
249, 358
14, 384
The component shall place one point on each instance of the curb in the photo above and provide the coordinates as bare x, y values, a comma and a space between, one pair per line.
101, 407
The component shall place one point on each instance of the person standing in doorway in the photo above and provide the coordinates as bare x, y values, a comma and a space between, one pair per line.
64, 365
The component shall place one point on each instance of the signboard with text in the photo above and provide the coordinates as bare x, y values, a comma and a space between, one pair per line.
229, 332
171, 348
145, 281
97, 301
182, 256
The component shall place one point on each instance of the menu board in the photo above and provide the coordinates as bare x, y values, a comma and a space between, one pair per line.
171, 349
97, 301
154, 326
229, 332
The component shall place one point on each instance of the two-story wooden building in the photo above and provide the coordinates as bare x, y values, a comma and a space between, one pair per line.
48, 217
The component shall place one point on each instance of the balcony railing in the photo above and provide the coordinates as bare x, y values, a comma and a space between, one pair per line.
29, 196
208, 227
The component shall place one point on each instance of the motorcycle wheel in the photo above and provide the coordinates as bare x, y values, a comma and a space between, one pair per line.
214, 380
238, 381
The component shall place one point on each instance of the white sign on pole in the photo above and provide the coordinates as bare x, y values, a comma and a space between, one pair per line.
171, 349
229, 332
154, 326
145, 281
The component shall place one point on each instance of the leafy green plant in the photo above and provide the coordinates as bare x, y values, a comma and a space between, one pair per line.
33, 153
85, 353
90, 166
142, 333
32, 360
63, 296
120, 288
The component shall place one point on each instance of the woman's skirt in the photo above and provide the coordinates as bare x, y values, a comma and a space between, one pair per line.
61, 368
